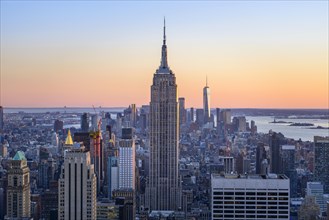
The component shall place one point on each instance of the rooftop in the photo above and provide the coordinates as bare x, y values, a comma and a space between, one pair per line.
246, 176
19, 156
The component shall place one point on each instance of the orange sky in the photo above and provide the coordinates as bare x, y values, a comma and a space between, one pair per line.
255, 66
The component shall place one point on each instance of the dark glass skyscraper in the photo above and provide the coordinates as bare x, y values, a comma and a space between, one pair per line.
84, 122
321, 170
275, 142
164, 190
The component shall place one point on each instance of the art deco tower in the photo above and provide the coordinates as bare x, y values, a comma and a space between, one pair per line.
206, 102
164, 190
77, 186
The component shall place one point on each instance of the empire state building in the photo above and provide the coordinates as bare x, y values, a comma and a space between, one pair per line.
163, 191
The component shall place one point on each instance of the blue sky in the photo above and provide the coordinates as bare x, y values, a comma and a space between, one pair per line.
242, 41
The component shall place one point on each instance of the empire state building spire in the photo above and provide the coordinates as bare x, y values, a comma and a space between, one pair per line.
164, 68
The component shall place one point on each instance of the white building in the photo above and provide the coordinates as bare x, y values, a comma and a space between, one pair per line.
77, 186
127, 163
249, 197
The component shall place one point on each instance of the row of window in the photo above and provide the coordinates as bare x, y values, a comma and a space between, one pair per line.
252, 193
249, 216
251, 207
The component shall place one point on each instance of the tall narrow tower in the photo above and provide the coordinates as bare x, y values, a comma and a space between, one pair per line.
206, 102
164, 190
18, 192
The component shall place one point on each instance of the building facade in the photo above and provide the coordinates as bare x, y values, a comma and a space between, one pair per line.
321, 156
77, 186
18, 189
163, 191
250, 197
127, 160
182, 111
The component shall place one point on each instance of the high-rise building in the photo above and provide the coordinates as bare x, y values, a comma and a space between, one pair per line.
49, 202
316, 189
125, 199
84, 122
164, 189
262, 155
18, 189
1, 118
127, 160
144, 117
97, 156
182, 110
239, 123
133, 116
200, 117
275, 142
58, 125
112, 175
192, 114
206, 102
77, 186
54, 140
249, 197
288, 167
321, 157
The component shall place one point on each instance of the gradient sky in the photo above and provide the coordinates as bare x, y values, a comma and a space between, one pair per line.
271, 54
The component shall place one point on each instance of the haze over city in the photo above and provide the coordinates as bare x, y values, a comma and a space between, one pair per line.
255, 54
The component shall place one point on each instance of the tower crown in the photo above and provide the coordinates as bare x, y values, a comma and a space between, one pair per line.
69, 140
164, 68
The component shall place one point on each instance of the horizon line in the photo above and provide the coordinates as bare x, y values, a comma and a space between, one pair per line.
100, 107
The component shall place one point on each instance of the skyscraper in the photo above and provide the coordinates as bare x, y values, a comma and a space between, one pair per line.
321, 156
275, 142
77, 186
18, 189
288, 167
164, 190
127, 159
261, 157
182, 111
84, 122
206, 102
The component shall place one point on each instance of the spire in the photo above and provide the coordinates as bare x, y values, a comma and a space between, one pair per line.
164, 68
164, 31
206, 81
69, 140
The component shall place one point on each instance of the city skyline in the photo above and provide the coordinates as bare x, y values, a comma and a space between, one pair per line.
83, 53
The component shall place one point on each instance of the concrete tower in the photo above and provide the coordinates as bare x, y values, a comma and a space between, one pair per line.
18, 191
77, 186
206, 102
164, 190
